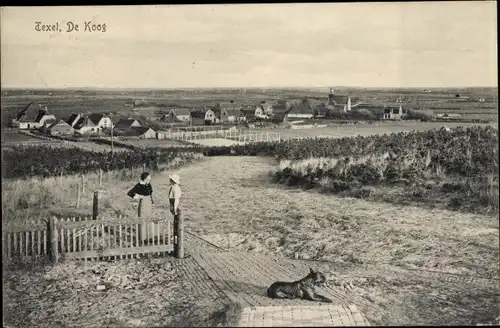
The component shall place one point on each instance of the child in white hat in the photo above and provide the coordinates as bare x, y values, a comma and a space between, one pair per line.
174, 194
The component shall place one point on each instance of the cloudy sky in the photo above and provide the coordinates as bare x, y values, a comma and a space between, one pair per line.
433, 44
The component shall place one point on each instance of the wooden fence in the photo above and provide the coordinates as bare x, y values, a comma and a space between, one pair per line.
84, 238
235, 135
256, 137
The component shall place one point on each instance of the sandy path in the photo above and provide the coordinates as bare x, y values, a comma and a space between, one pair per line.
230, 201
232, 195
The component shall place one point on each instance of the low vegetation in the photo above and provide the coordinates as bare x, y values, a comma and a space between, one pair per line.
456, 168
37, 161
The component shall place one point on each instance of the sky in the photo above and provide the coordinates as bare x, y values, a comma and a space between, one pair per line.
407, 44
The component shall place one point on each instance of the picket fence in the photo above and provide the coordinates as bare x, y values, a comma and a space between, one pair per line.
235, 135
85, 238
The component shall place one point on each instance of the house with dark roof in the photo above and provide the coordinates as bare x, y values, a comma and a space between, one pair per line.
393, 113
73, 119
177, 115
101, 120
33, 116
203, 116
143, 132
267, 108
250, 112
127, 123
60, 127
226, 111
85, 126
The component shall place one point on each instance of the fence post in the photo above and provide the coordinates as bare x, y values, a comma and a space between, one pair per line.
179, 233
77, 195
100, 177
95, 207
54, 252
83, 184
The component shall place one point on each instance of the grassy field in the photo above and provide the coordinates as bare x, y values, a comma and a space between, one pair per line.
340, 131
242, 210
162, 143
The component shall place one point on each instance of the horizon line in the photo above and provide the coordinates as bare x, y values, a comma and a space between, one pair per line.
253, 87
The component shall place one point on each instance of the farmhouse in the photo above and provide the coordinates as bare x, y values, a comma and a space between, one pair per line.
101, 121
85, 126
138, 131
127, 123
251, 112
177, 115
267, 108
203, 116
59, 128
144, 132
32, 117
393, 113
227, 111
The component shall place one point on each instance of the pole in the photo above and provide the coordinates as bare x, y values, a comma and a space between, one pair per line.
112, 146
179, 234
95, 207
77, 196
54, 252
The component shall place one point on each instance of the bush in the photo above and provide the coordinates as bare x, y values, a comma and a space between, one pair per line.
422, 115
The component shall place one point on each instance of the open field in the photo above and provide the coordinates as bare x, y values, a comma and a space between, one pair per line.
372, 244
161, 143
365, 129
12, 136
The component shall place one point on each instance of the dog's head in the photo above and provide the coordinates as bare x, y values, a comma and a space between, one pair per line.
318, 278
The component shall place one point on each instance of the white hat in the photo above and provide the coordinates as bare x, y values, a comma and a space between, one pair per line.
175, 178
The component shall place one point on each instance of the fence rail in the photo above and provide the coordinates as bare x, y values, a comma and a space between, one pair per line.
235, 135
85, 238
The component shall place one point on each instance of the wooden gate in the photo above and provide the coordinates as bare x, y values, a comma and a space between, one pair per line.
85, 238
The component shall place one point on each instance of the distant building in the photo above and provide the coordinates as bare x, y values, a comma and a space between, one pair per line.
251, 112
267, 108
335, 104
33, 116
203, 116
101, 120
85, 126
339, 102
303, 109
60, 128
393, 113
178, 115
127, 123
227, 111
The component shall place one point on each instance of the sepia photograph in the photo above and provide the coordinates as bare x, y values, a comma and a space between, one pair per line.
250, 165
